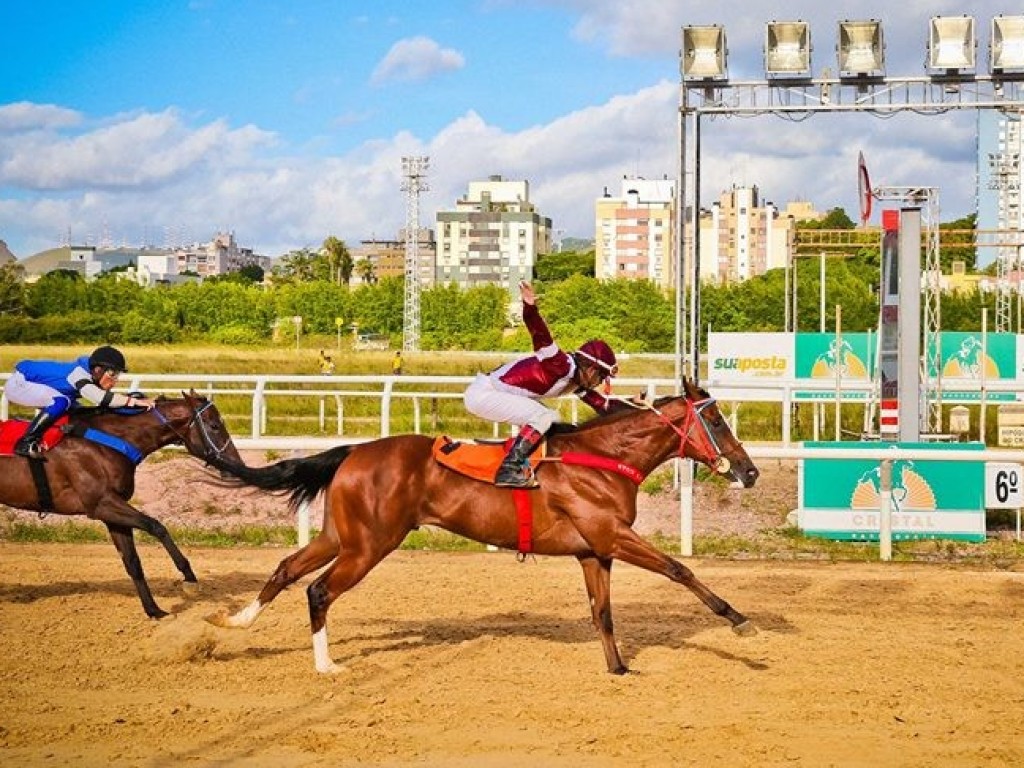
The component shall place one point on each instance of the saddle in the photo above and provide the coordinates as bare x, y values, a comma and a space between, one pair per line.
12, 430
478, 460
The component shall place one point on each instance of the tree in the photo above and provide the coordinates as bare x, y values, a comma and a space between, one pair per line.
366, 271
12, 289
559, 266
339, 259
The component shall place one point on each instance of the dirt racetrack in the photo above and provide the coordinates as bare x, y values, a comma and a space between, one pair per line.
477, 660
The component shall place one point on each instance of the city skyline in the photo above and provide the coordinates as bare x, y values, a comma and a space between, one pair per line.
288, 124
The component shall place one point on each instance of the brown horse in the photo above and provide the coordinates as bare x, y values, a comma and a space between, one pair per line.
388, 487
94, 474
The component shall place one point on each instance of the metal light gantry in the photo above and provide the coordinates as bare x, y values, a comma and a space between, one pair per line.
799, 99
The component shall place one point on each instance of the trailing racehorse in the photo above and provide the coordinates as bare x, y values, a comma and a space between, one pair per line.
91, 471
585, 506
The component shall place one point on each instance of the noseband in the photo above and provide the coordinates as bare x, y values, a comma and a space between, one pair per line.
703, 439
210, 449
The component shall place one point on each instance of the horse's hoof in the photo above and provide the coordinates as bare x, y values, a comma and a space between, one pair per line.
219, 619
745, 629
191, 588
157, 614
331, 668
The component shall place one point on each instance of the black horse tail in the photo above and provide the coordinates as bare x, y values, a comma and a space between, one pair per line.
303, 479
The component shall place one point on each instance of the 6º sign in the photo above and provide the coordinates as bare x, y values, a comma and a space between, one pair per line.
1004, 486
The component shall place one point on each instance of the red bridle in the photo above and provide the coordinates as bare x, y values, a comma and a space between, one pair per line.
705, 445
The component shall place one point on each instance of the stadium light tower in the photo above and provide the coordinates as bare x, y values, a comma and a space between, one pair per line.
788, 91
414, 181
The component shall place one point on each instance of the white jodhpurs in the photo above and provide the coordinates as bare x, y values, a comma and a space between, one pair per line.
483, 400
22, 392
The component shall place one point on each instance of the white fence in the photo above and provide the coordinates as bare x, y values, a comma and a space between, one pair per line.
263, 390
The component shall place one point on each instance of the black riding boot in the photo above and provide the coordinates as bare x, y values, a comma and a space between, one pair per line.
515, 471
29, 445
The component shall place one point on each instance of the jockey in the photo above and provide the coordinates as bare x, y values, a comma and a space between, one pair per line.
52, 386
512, 392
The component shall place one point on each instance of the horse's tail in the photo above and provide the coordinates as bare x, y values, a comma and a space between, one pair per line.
303, 479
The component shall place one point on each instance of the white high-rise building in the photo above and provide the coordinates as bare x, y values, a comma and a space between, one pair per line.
492, 237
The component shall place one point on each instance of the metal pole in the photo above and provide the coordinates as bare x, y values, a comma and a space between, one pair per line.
821, 301
885, 511
840, 357
695, 285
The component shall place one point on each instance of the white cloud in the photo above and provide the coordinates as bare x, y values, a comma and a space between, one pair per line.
26, 116
416, 59
137, 175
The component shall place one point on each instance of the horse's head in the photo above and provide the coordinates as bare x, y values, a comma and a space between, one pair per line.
708, 438
198, 426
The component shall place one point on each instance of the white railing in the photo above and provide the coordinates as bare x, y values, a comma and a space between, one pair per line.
263, 389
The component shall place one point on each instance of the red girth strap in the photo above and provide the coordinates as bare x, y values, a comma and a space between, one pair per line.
524, 515
524, 503
602, 462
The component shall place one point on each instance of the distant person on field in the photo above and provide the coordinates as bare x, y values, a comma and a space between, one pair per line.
512, 392
52, 386
396, 364
326, 363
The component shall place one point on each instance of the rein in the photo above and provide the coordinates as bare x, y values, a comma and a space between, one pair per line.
210, 449
703, 438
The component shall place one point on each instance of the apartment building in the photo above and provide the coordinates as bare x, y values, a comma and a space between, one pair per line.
492, 237
387, 257
742, 236
634, 232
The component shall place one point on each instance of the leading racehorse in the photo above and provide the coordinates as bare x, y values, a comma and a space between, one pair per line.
93, 473
377, 492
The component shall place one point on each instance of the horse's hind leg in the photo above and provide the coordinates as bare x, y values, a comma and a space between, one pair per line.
630, 548
357, 559
125, 542
597, 575
320, 551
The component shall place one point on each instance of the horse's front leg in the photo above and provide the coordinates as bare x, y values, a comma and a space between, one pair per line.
629, 547
119, 515
597, 575
123, 539
320, 551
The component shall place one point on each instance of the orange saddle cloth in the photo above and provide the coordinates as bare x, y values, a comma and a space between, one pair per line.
12, 430
477, 460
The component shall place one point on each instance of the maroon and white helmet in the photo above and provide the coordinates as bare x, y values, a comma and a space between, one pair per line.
600, 354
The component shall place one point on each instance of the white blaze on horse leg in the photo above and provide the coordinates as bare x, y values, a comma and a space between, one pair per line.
245, 617
322, 654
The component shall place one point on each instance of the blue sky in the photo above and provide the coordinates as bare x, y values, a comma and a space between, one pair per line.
286, 121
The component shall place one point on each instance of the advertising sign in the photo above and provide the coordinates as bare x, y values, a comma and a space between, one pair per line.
839, 499
739, 358
823, 356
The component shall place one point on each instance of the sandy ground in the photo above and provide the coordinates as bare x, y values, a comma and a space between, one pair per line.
459, 660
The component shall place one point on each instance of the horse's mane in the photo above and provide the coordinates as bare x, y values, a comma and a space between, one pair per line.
623, 411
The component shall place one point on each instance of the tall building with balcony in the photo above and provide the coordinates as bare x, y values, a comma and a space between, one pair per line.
492, 237
634, 232
741, 237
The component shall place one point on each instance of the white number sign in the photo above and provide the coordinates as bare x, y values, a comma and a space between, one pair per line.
1003, 486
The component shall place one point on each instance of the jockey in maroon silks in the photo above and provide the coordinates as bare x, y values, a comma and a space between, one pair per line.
511, 393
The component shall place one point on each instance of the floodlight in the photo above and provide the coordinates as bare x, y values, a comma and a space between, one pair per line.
861, 50
951, 43
787, 48
1006, 48
704, 53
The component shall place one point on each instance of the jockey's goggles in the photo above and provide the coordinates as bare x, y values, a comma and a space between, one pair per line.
608, 370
